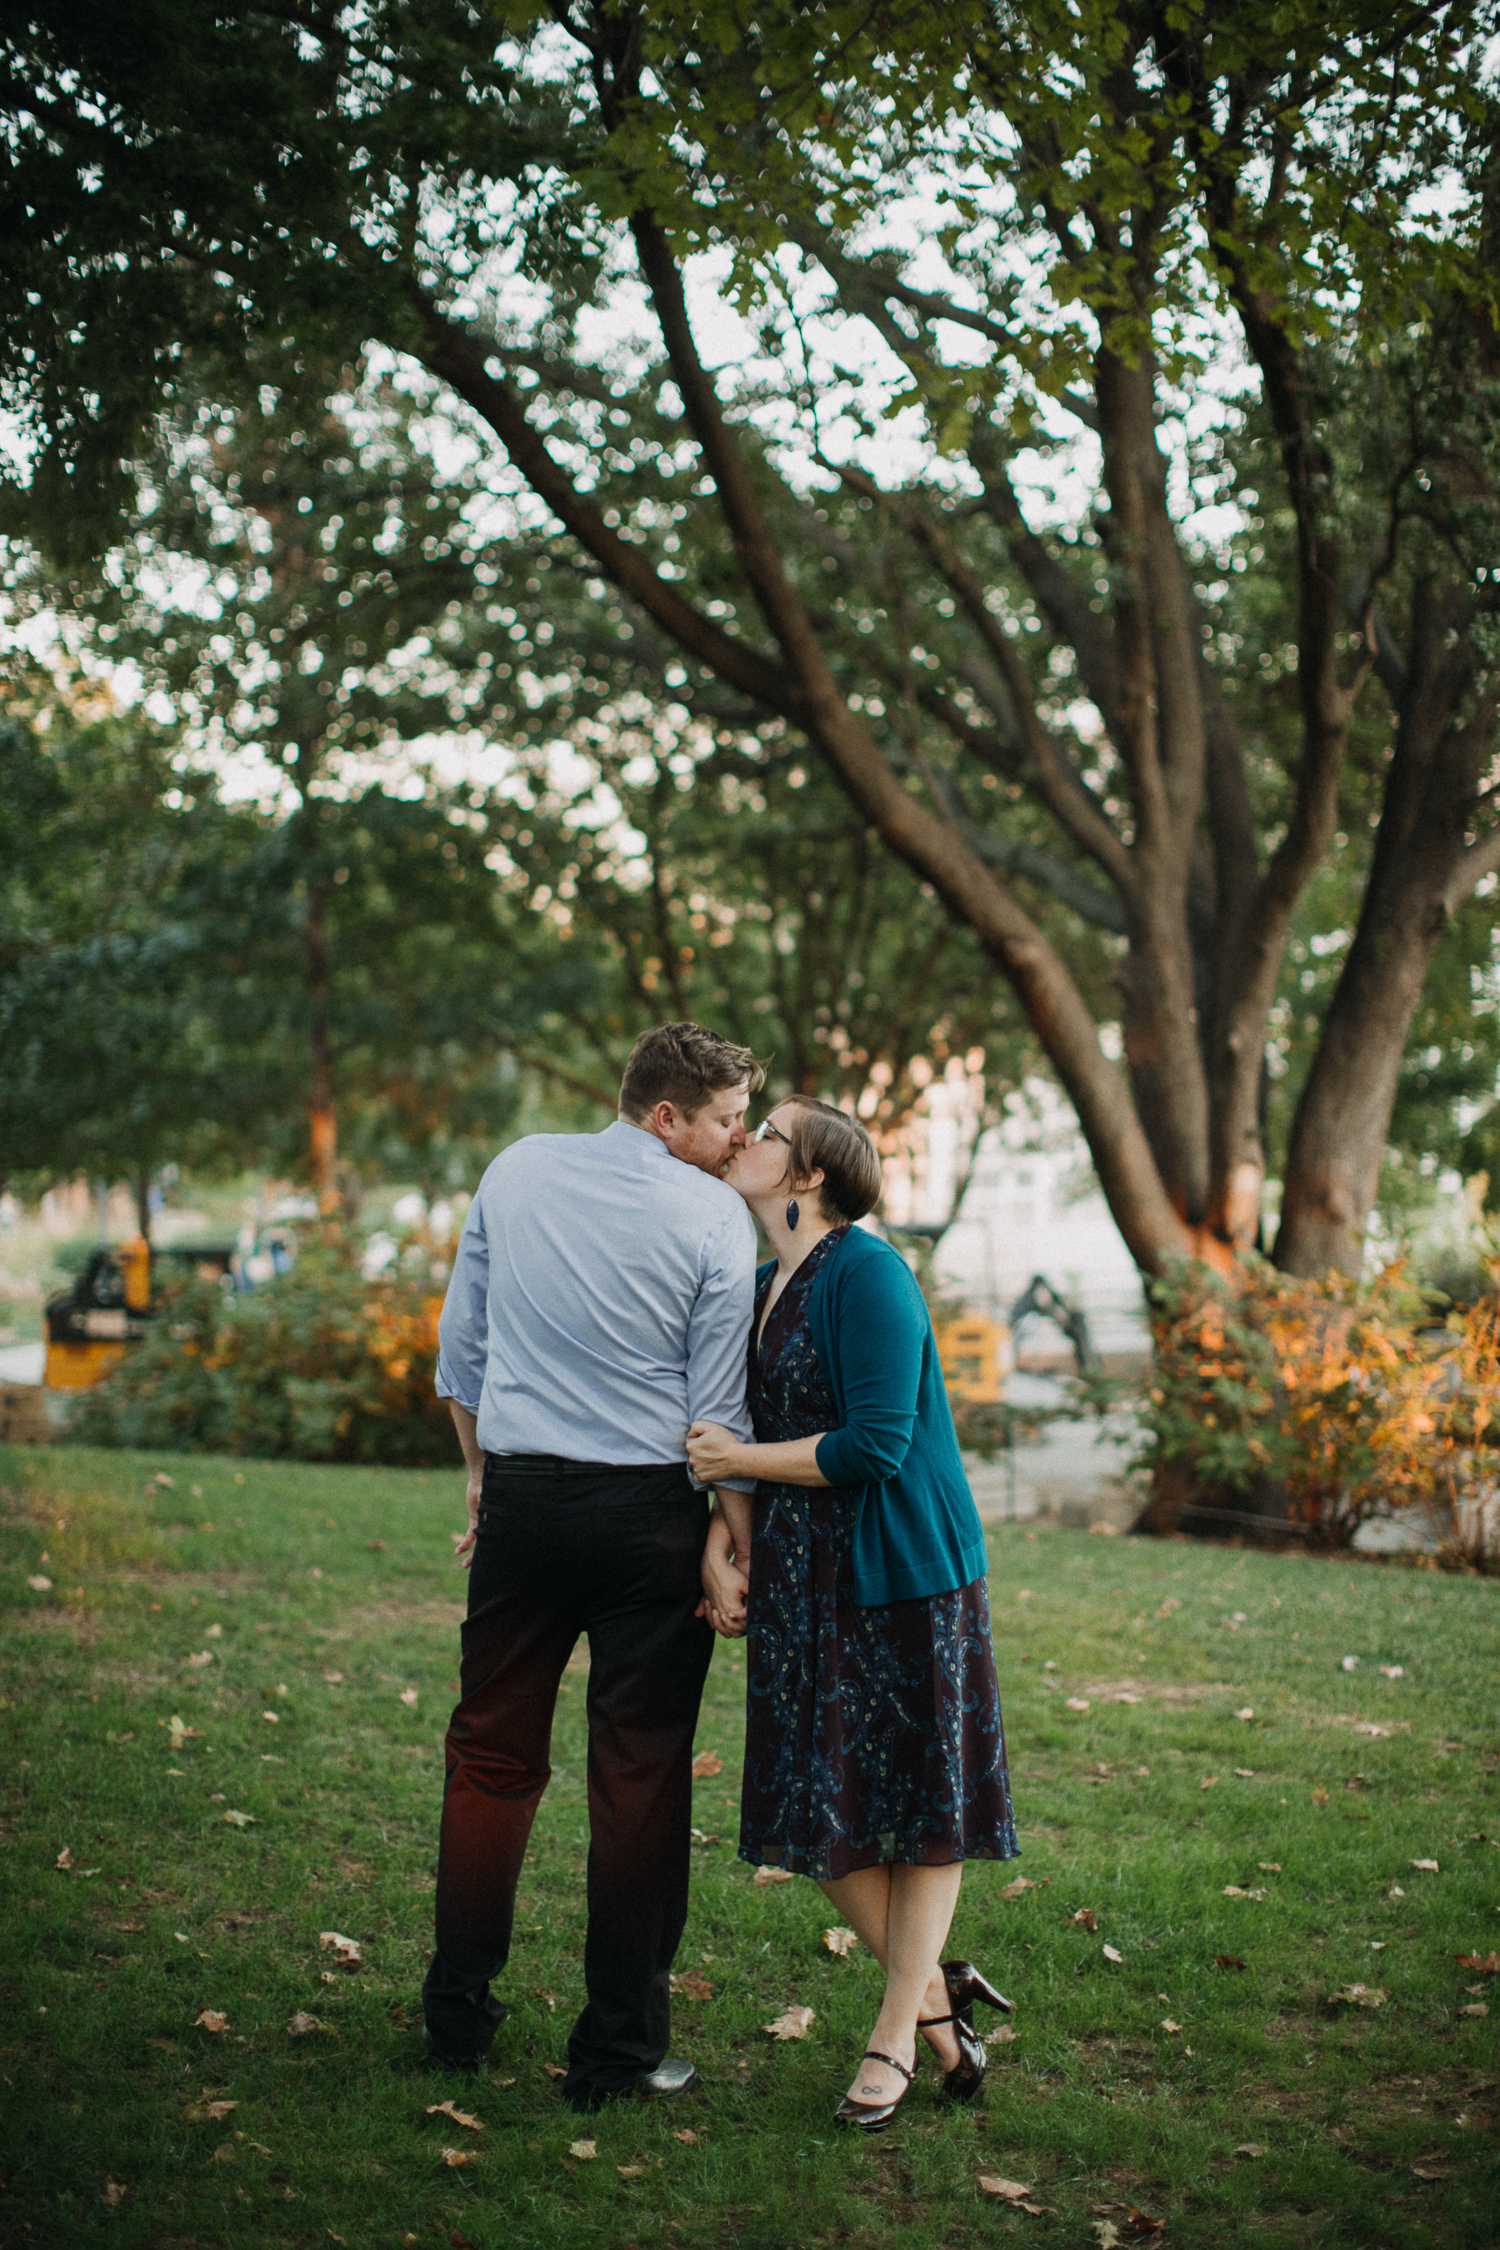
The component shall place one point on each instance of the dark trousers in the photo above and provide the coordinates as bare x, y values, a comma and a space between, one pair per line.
563, 1549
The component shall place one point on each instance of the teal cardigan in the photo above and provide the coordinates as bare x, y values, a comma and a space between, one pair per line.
917, 1530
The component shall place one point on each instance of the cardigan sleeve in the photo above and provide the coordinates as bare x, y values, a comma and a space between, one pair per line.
881, 1327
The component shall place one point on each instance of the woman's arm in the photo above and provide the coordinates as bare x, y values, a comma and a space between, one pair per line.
713, 1455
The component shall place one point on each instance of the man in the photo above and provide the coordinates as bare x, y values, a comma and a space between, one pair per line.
600, 1303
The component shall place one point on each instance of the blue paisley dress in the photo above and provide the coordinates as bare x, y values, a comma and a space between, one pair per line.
871, 1735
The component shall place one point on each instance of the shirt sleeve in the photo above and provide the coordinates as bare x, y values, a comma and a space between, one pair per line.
463, 1327
719, 1331
883, 1328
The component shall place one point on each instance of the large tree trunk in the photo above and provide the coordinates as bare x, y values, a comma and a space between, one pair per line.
1423, 868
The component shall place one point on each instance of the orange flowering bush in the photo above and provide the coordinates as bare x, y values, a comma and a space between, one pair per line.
1343, 1399
322, 1364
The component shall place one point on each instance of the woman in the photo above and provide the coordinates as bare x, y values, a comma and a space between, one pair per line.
874, 1753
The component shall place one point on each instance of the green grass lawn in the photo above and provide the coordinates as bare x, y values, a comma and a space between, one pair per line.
1208, 2077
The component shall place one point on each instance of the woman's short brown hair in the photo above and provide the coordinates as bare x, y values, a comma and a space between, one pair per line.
828, 1140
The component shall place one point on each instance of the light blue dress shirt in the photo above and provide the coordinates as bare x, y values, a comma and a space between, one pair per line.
600, 1300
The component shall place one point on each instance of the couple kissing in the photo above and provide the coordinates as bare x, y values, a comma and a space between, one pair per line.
612, 1355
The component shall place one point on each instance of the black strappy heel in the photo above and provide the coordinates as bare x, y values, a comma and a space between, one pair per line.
872, 2117
965, 1985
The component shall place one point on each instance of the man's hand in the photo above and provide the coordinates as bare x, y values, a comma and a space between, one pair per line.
713, 1453
726, 1583
467, 1427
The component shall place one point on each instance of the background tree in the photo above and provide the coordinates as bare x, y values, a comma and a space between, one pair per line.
1102, 197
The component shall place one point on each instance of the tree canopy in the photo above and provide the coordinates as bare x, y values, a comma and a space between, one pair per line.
918, 384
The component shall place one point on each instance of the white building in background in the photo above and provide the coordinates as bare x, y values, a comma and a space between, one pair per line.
1032, 1206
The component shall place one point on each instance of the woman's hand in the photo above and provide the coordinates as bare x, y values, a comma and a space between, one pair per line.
713, 1454
726, 1566
725, 1589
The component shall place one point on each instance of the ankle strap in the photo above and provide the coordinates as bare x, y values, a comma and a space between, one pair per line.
873, 2054
924, 2021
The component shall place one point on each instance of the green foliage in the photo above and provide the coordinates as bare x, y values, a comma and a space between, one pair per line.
1338, 1398
319, 1365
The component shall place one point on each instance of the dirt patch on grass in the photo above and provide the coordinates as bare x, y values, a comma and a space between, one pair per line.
376, 1619
79, 1627
1171, 1695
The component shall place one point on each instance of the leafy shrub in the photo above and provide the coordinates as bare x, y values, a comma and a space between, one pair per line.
1344, 1398
319, 1365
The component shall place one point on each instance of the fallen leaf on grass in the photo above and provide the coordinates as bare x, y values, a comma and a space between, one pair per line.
1475, 2008
554, 2070
631, 2171
1393, 1671
197, 2112
765, 1875
1228, 1961
1000, 2038
1085, 1918
1363, 1995
585, 2151
1244, 1773
693, 1985
1111, 1955
211, 2019
706, 1765
1125, 1698
301, 2024
1246, 1712
1488, 1963
1425, 1866
1139, 2223
1251, 2148
1269, 1866
346, 1953
1168, 2025
1429, 2172
64, 1859
792, 2023
1238, 1890
179, 1732
687, 2136
455, 2156
408, 1696
39, 1584
113, 2193
334, 1679
204, 1657
1106, 2233
1009, 2191
459, 2116
1076, 1703
840, 1942
168, 1484
1209, 1781
272, 1718
236, 1819
1320, 1796
1014, 1889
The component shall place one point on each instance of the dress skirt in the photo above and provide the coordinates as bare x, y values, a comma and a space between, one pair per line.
872, 1735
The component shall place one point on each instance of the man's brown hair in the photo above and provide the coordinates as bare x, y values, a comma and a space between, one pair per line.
684, 1064
828, 1140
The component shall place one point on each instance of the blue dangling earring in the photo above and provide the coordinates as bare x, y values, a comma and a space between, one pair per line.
792, 1215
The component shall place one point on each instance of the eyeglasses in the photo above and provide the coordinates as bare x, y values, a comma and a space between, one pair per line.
766, 1130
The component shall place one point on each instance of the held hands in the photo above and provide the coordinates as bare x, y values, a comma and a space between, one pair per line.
712, 1453
726, 1583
